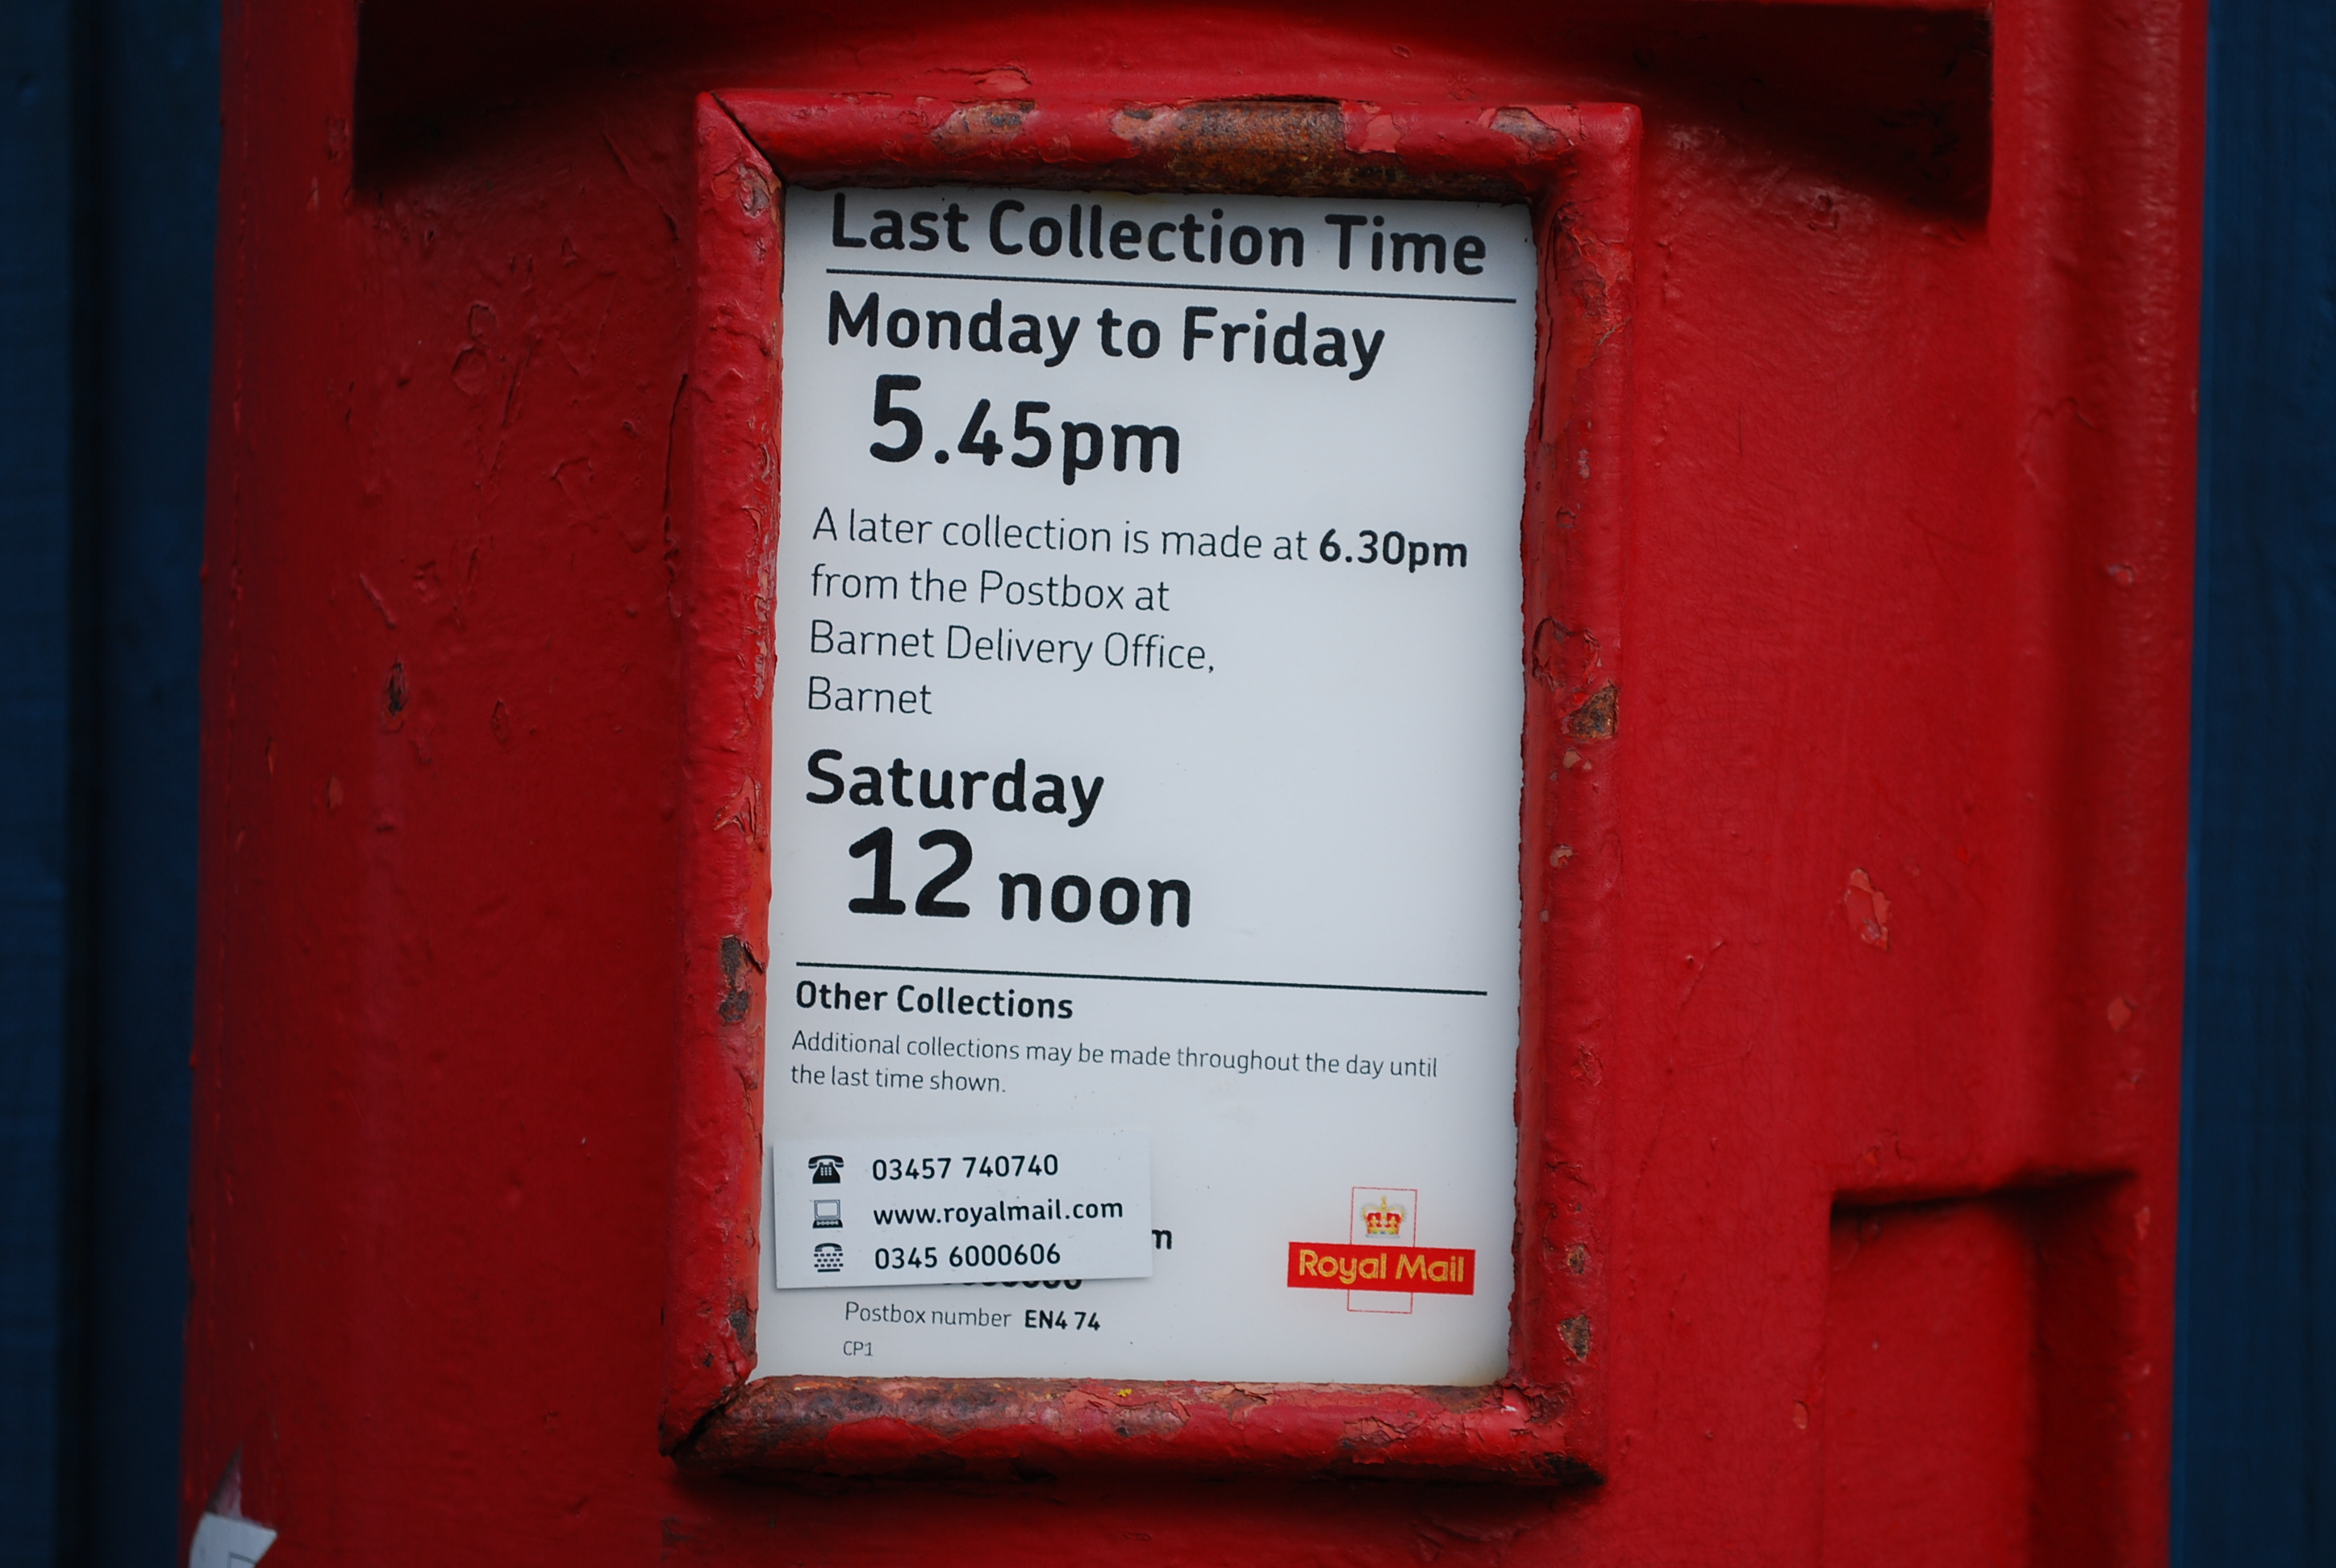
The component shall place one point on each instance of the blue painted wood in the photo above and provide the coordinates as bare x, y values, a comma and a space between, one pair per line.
2255, 1375
104, 333
155, 64
39, 498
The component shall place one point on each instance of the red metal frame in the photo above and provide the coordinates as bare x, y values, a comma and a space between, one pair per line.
1544, 1423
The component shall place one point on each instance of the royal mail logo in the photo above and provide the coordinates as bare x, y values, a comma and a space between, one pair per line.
1382, 1217
1348, 1266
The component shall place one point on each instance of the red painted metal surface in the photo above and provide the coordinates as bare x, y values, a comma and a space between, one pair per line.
1884, 994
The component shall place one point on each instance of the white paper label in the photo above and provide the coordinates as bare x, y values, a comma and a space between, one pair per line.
1147, 761
221, 1542
973, 1209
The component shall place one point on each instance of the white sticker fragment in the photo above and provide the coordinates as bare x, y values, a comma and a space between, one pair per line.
224, 1543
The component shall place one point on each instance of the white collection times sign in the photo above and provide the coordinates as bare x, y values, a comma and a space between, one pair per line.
1145, 787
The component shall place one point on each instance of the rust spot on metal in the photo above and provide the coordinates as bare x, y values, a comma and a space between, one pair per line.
1457, 1398
737, 993
1283, 146
742, 1327
973, 126
809, 1429
1594, 719
1575, 1332
1295, 147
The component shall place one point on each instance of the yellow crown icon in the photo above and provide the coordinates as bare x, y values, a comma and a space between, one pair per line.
1382, 1220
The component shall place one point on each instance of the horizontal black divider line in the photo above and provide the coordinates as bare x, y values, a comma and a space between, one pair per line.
1189, 288
1144, 979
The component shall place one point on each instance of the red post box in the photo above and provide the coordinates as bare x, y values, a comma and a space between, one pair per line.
1085, 783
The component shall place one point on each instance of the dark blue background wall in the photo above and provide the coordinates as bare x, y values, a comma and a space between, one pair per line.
108, 152
2256, 1379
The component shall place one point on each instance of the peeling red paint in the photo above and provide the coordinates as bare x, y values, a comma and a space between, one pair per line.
869, 1430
